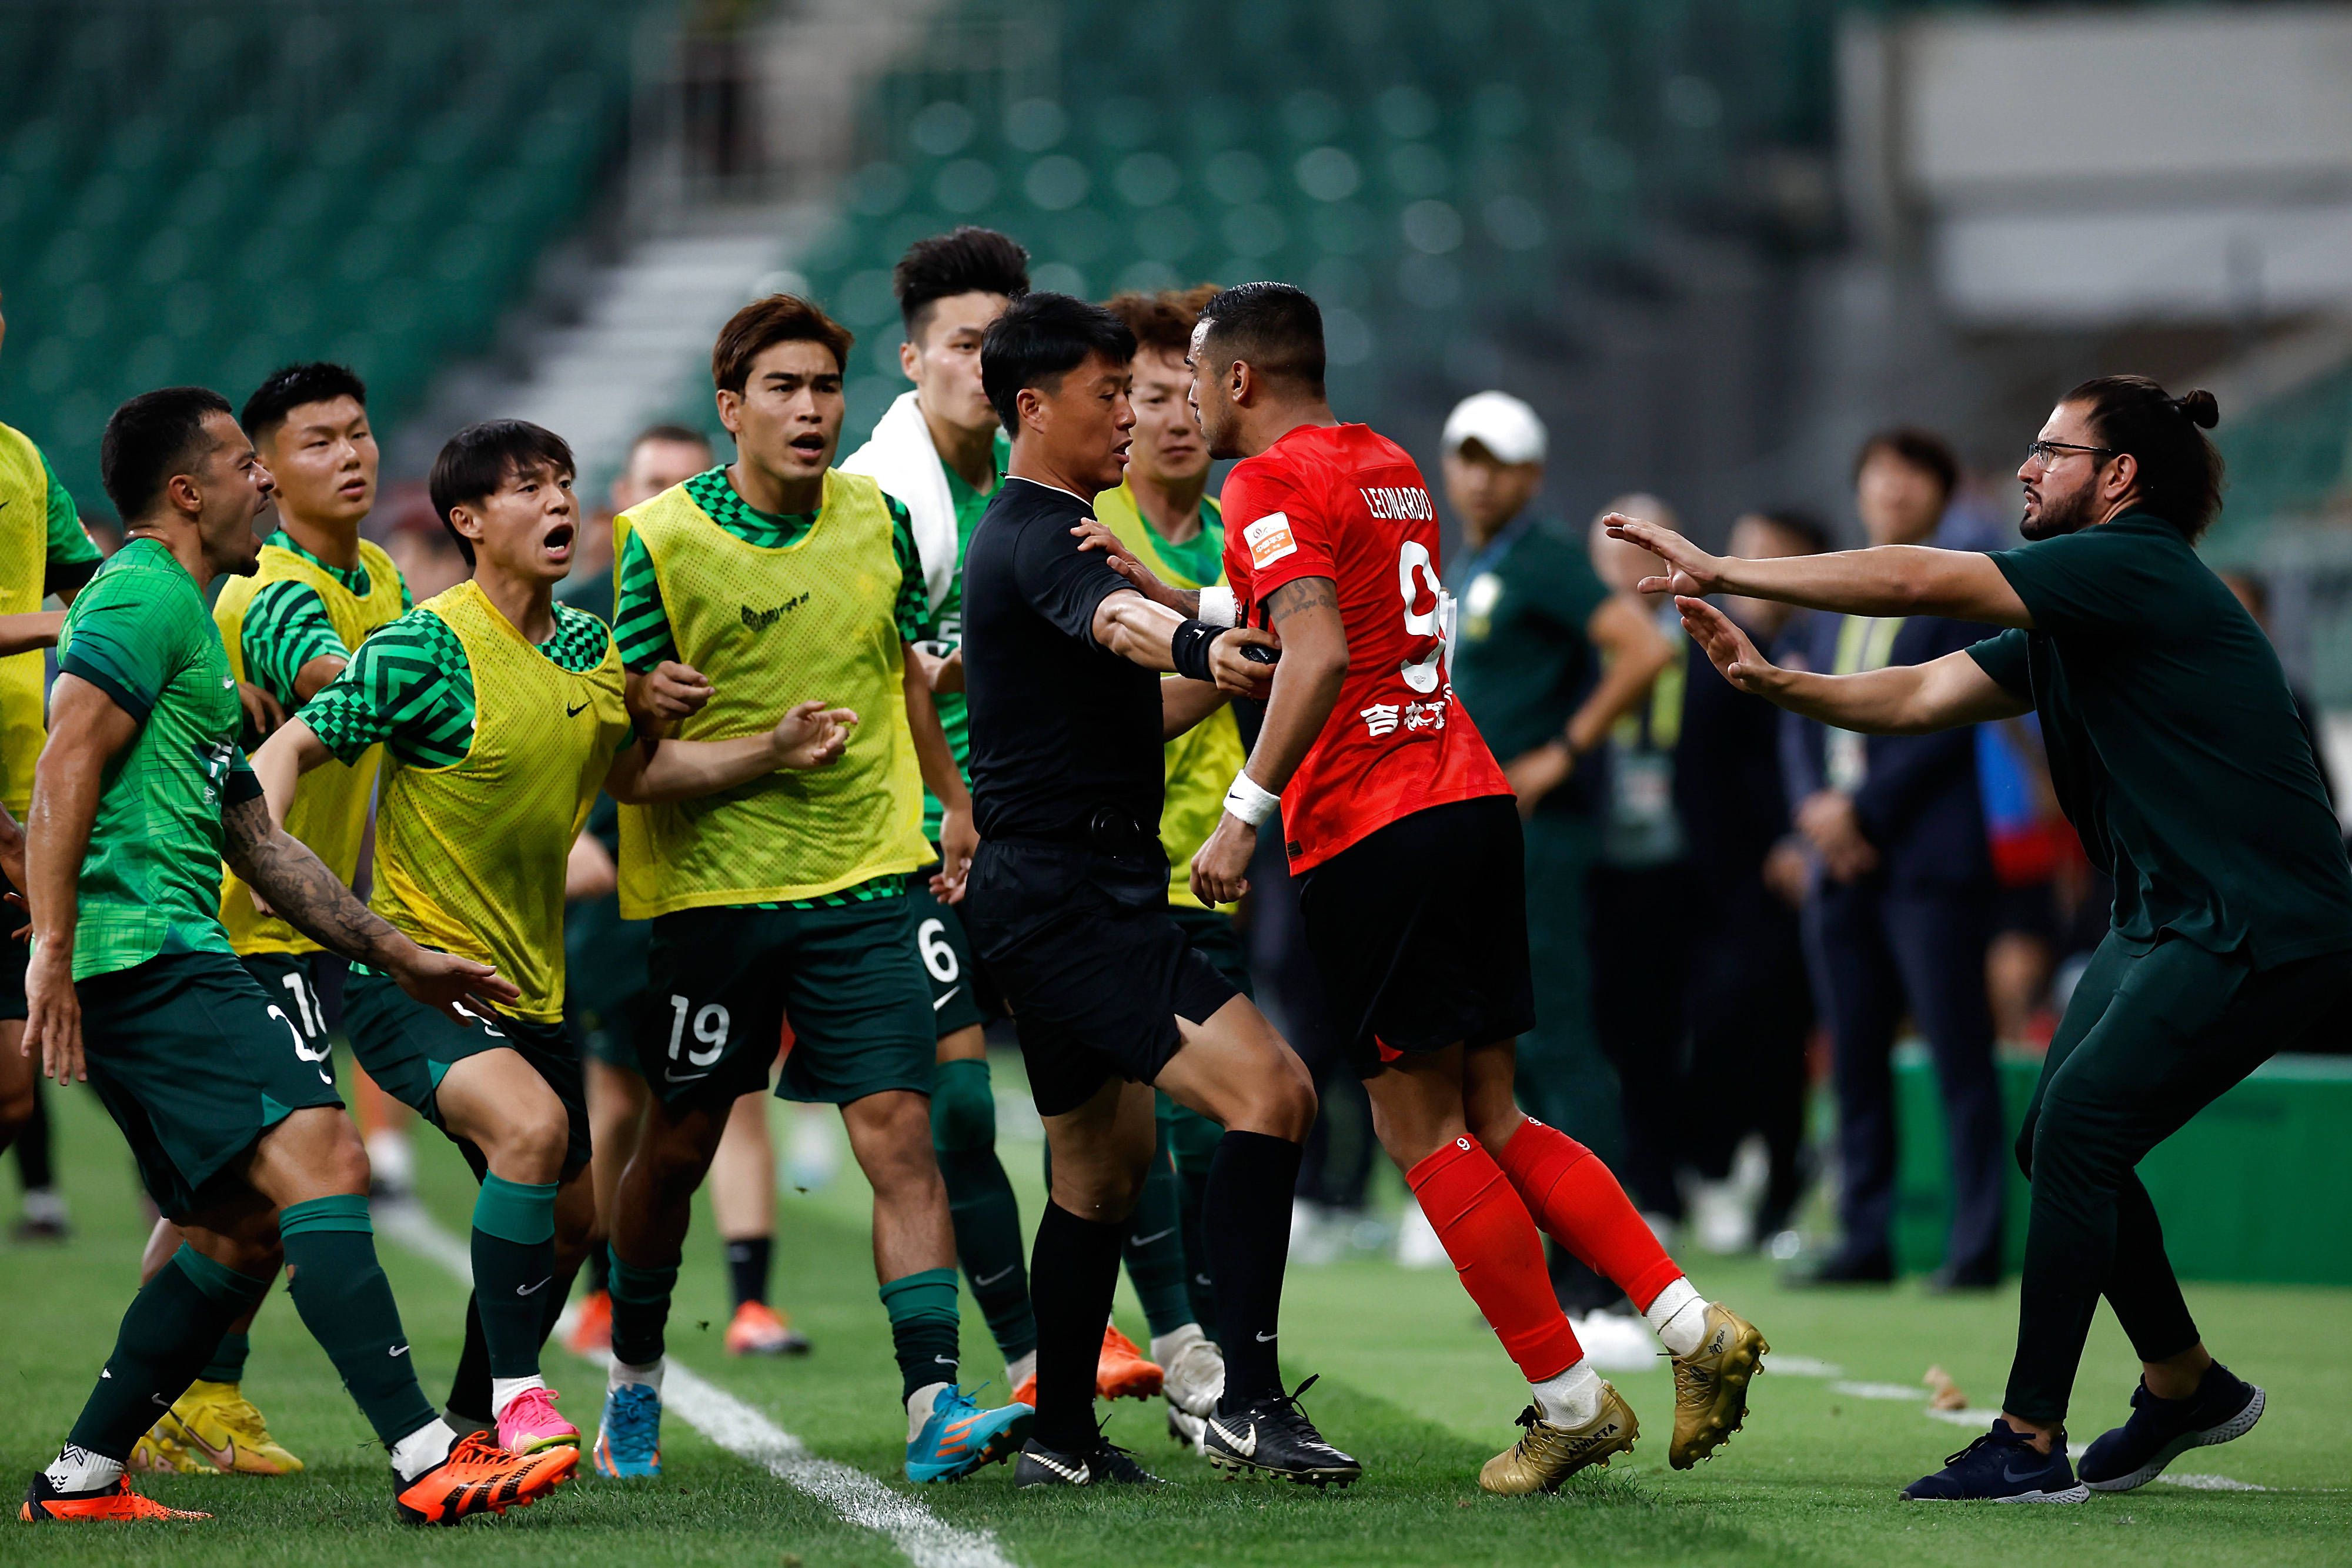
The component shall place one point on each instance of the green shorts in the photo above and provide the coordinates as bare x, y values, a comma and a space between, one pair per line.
194, 1061
606, 1001
291, 980
1215, 937
14, 956
848, 976
962, 995
407, 1046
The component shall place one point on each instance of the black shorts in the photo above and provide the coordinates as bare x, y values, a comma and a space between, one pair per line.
1093, 966
1420, 932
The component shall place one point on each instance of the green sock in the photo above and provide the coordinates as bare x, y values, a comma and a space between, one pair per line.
986, 1215
1154, 1246
514, 1261
228, 1365
346, 1304
923, 1327
640, 1310
175, 1322
1192, 1143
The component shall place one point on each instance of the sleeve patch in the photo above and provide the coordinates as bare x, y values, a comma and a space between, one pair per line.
1269, 539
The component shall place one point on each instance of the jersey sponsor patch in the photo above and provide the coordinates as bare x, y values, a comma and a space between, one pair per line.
1269, 539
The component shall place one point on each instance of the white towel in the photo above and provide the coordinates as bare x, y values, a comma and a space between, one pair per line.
900, 457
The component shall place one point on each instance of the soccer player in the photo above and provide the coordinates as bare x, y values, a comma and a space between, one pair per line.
1067, 905
1403, 831
289, 628
788, 896
503, 714
2175, 750
140, 794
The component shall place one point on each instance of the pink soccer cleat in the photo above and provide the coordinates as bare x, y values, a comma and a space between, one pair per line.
529, 1424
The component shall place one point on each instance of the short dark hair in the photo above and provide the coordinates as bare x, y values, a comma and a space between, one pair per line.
153, 436
1922, 449
1275, 328
1164, 320
1798, 524
284, 390
1040, 339
479, 458
971, 260
762, 324
2180, 466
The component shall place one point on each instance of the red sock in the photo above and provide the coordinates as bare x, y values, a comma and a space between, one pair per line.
1492, 1241
1577, 1201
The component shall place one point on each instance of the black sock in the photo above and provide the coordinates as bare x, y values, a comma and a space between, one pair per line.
1072, 1273
600, 1269
469, 1391
746, 1268
33, 1145
1246, 1216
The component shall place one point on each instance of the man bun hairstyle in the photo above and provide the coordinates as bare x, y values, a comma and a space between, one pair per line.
148, 439
2179, 467
971, 260
764, 323
1922, 449
284, 390
478, 459
1273, 327
1165, 319
1040, 339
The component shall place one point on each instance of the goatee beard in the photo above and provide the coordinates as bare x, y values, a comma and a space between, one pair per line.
2067, 517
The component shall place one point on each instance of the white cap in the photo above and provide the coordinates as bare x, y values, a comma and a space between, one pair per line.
1498, 422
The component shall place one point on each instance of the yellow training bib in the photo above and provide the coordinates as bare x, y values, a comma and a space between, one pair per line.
24, 571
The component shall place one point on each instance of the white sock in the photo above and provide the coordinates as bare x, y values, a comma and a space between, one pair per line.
918, 1408
504, 1389
623, 1375
1021, 1368
79, 1470
1167, 1347
1678, 1317
422, 1449
1572, 1398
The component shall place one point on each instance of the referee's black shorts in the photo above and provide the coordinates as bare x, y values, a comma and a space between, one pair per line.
1420, 932
1093, 966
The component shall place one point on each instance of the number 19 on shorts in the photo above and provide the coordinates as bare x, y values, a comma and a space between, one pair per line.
710, 1023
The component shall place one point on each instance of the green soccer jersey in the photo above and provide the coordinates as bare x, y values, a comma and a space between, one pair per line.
1523, 659
287, 625
151, 880
946, 624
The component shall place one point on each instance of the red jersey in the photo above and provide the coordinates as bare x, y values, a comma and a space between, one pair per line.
1346, 503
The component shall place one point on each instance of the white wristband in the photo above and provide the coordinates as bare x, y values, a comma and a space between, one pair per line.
1218, 607
1251, 804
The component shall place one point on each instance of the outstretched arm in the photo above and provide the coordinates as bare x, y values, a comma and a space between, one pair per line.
35, 629
1143, 632
1183, 704
1892, 580
1902, 699
810, 736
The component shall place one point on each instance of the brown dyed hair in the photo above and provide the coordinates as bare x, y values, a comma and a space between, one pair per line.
1165, 319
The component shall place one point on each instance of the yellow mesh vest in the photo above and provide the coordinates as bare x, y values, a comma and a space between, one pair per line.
24, 568
1202, 760
772, 628
331, 811
469, 859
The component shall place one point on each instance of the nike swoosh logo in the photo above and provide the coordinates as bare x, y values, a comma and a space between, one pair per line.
1266, 1339
2009, 1474
1245, 1448
1148, 1240
1077, 1477
946, 998
945, 1360
397, 1350
991, 1278
683, 1077
534, 1289
576, 712
223, 1457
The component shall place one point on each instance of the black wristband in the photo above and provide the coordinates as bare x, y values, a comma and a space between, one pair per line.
1187, 649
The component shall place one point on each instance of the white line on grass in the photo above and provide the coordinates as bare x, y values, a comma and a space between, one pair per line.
927, 1540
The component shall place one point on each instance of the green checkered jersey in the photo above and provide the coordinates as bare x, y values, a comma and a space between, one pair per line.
287, 625
151, 880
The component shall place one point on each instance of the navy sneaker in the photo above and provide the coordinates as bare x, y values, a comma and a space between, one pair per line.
2002, 1466
2162, 1430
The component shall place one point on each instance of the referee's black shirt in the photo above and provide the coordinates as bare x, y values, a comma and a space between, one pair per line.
1060, 727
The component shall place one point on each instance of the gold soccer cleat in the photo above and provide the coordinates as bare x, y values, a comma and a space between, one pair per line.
213, 1427
1711, 1385
1548, 1455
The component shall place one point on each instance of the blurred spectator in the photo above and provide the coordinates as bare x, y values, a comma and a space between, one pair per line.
1900, 911
418, 543
2032, 846
662, 455
104, 532
2255, 595
1750, 1008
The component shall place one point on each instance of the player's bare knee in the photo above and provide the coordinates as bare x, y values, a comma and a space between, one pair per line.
535, 1141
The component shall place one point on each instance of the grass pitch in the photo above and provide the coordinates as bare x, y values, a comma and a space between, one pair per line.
1411, 1383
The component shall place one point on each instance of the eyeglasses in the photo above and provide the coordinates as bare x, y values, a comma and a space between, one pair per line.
2048, 453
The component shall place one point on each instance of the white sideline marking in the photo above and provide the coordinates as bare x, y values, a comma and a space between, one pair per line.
1873, 1390
927, 1540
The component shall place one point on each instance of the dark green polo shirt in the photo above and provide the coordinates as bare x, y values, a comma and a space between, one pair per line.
2174, 745
1522, 661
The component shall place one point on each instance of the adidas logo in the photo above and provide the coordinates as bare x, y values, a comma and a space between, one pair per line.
761, 620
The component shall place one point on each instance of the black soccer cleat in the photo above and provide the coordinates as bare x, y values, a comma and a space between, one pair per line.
2224, 1408
1105, 1464
1272, 1435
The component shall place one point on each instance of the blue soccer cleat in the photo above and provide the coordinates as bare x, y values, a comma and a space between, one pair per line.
960, 1436
2002, 1466
628, 1440
2225, 1406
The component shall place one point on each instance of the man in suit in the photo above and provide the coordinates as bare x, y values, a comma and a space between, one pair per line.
1900, 911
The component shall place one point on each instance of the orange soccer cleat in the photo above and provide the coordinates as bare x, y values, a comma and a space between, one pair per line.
115, 1504
592, 1331
1123, 1372
758, 1328
478, 1477
1026, 1391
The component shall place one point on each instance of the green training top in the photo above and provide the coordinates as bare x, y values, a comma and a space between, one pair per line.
151, 880
286, 626
946, 624
2174, 745
1523, 659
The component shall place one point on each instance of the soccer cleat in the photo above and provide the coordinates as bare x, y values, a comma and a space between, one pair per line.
1195, 1378
592, 1331
529, 1424
959, 1437
1273, 1436
115, 1504
1107, 1464
759, 1329
1122, 1371
212, 1428
481, 1477
1711, 1385
1187, 1429
1545, 1455
2159, 1431
628, 1440
1025, 1392
2002, 1466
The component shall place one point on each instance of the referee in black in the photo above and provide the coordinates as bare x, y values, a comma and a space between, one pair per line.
2178, 755
1066, 902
